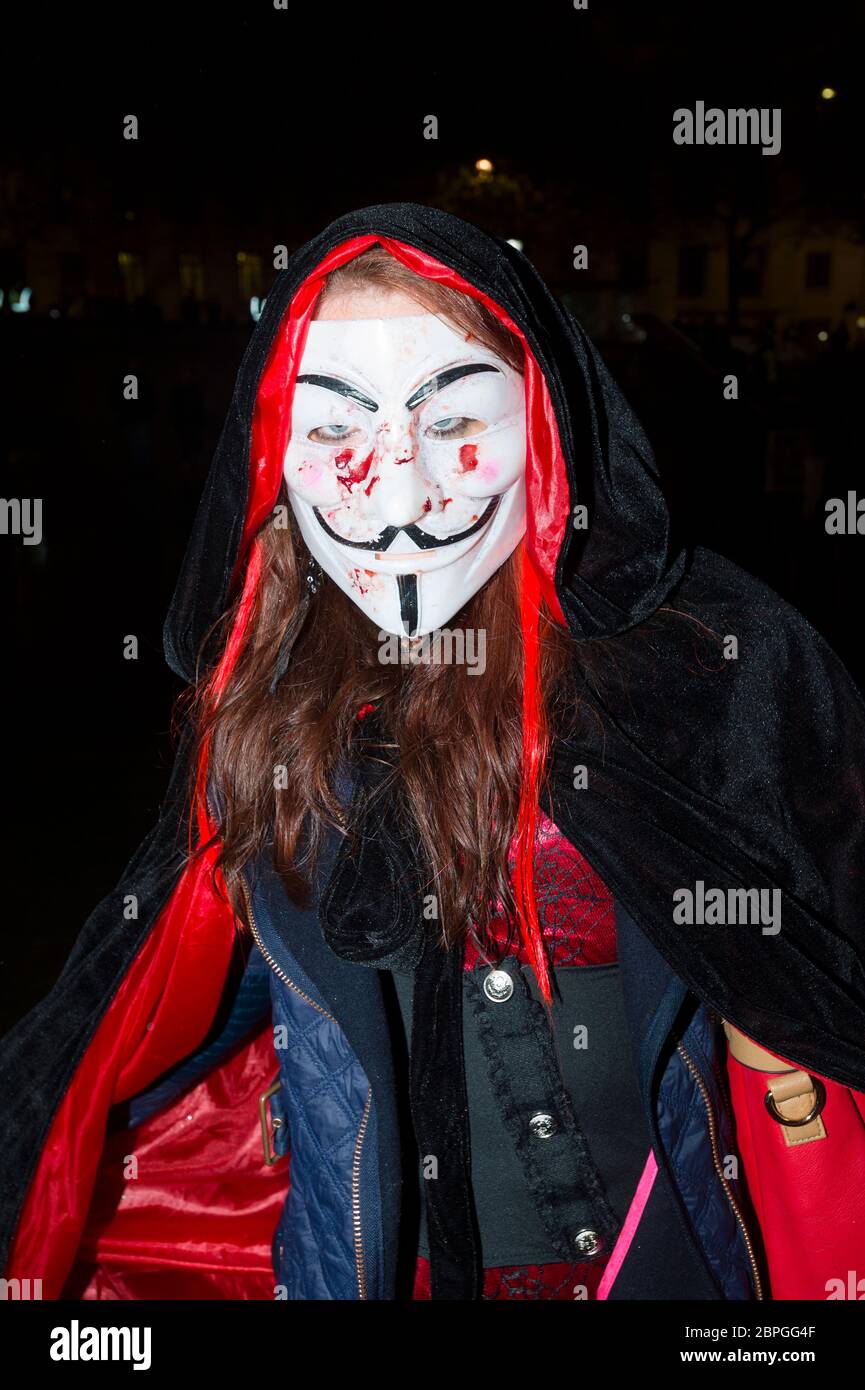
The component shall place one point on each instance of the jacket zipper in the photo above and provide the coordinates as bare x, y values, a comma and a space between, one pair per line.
716, 1159
269, 958
355, 1200
359, 1260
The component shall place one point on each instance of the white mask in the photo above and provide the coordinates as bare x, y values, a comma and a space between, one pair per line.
405, 465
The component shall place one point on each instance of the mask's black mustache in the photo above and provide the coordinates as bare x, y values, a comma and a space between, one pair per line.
422, 539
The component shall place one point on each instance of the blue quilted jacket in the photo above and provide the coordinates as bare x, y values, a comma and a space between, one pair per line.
338, 1234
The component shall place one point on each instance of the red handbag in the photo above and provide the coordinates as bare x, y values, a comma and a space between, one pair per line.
801, 1139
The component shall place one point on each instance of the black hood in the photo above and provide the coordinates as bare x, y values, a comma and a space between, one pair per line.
724, 740
616, 572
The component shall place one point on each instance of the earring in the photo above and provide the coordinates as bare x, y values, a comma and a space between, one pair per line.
310, 586
313, 577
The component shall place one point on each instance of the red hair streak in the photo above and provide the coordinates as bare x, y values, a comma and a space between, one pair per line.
535, 745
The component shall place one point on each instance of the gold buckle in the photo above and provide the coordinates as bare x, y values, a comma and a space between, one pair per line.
819, 1101
269, 1156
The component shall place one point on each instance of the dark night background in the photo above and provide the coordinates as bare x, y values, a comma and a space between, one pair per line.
257, 126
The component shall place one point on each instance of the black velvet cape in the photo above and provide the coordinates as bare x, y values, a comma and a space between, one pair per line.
740, 773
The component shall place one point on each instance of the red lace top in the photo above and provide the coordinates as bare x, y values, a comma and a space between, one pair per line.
575, 911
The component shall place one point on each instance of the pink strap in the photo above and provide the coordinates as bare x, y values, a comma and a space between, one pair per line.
629, 1230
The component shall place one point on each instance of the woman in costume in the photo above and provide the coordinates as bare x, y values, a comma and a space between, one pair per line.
501, 933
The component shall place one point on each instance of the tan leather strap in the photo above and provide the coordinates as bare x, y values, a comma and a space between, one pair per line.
794, 1096
749, 1054
793, 1092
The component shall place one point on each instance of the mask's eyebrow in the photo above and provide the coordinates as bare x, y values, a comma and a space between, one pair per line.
342, 388
442, 379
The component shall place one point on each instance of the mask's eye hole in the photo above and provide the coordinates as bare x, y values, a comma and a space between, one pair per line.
455, 427
334, 434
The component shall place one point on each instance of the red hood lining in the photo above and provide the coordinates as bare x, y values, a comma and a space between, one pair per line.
160, 1012
547, 492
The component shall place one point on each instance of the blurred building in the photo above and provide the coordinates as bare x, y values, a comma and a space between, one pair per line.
796, 286
76, 242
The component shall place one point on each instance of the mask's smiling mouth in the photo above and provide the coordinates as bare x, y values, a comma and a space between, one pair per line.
422, 539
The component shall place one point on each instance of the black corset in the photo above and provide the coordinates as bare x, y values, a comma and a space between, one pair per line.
558, 1138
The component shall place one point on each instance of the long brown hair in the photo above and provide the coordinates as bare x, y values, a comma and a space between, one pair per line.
455, 738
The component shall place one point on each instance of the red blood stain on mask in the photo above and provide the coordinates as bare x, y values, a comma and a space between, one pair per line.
372, 482
468, 458
353, 475
427, 506
343, 459
445, 502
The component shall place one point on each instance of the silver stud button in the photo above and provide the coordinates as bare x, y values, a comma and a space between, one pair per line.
543, 1126
588, 1242
498, 986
